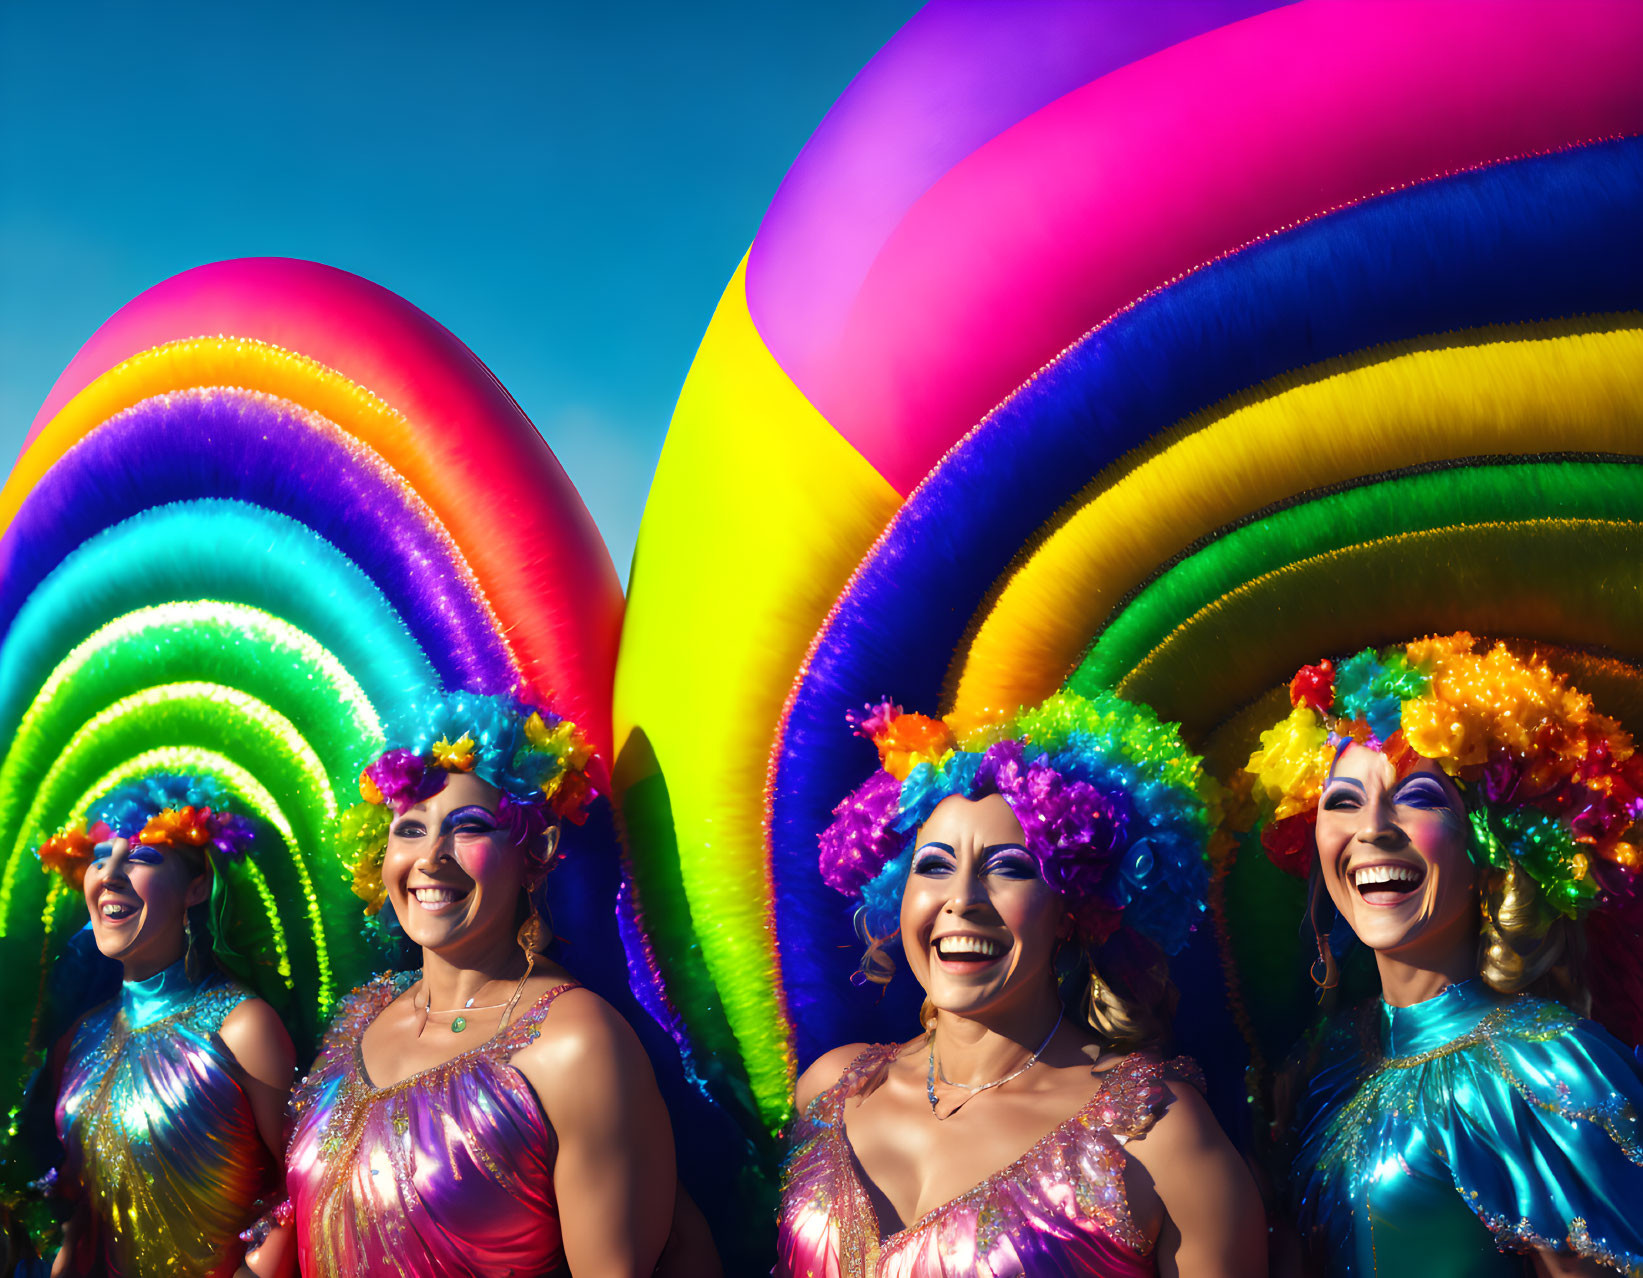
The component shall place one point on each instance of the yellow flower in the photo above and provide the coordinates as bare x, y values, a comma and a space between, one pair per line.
1292, 762
454, 756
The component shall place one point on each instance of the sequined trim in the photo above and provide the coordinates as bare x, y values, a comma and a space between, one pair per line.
1520, 1236
356, 1096
1130, 1099
1523, 1019
1126, 1104
505, 1042
1614, 1115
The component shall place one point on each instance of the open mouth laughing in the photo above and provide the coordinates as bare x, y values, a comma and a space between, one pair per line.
114, 909
967, 951
1386, 882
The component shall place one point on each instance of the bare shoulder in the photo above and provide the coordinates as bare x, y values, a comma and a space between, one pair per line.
256, 1037
582, 1039
251, 1017
1183, 1130
824, 1071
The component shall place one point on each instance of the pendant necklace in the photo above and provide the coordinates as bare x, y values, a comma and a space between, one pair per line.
459, 1022
975, 1089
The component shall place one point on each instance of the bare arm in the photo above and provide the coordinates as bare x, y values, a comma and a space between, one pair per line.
614, 1177
1214, 1224
64, 1264
257, 1040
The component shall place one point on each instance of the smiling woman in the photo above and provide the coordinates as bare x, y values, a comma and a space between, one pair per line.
1024, 1132
1468, 810
169, 1096
516, 1108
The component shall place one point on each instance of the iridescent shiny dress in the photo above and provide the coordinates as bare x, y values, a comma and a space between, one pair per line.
162, 1144
1059, 1210
1453, 1136
449, 1172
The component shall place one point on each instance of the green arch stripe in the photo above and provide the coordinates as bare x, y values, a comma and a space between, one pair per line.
1606, 488
226, 721
230, 644
1577, 582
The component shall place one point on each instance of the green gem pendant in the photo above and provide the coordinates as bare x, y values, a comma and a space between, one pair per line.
458, 1024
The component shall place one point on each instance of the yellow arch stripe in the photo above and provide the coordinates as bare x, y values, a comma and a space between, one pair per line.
1540, 389
725, 596
208, 361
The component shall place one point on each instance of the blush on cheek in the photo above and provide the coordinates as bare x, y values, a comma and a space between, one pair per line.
480, 859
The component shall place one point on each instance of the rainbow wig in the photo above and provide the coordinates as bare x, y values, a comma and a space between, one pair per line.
175, 810
1116, 811
533, 757
1552, 786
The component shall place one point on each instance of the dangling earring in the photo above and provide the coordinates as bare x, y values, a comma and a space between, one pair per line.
191, 958
1325, 973
530, 935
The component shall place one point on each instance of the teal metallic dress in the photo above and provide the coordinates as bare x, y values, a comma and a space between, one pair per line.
1457, 1135
163, 1150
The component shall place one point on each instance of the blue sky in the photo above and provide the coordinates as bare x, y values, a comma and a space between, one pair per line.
567, 187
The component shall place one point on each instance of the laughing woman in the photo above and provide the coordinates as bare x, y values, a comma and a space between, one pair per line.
1020, 1133
1468, 809
483, 1115
171, 1094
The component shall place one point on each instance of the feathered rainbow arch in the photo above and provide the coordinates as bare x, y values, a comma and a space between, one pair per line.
266, 506
1041, 374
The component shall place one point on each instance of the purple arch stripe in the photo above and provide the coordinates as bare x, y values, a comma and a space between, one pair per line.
249, 446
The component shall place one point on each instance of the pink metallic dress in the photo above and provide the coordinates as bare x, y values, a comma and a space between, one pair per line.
449, 1172
1057, 1211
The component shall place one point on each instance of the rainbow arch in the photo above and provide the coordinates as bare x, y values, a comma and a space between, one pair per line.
266, 503
1087, 345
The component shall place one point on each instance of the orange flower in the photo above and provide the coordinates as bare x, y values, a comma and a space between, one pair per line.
907, 740
68, 854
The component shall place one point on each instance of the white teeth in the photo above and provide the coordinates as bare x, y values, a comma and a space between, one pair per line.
951, 945
117, 910
436, 895
1373, 874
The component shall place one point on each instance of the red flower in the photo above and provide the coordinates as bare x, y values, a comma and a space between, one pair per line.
1314, 686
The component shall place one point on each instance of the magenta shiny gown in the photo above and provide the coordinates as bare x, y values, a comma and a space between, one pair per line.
1058, 1211
448, 1173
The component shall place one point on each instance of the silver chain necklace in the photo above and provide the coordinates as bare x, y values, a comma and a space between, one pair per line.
975, 1089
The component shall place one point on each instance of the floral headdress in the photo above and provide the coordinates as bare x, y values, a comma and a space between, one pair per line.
1116, 811
537, 760
166, 808
1552, 784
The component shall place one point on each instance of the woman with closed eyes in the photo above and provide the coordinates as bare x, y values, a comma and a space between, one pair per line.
482, 1115
1461, 810
1022, 1133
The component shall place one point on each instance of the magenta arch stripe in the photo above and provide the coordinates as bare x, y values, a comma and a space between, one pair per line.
956, 75
1127, 182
